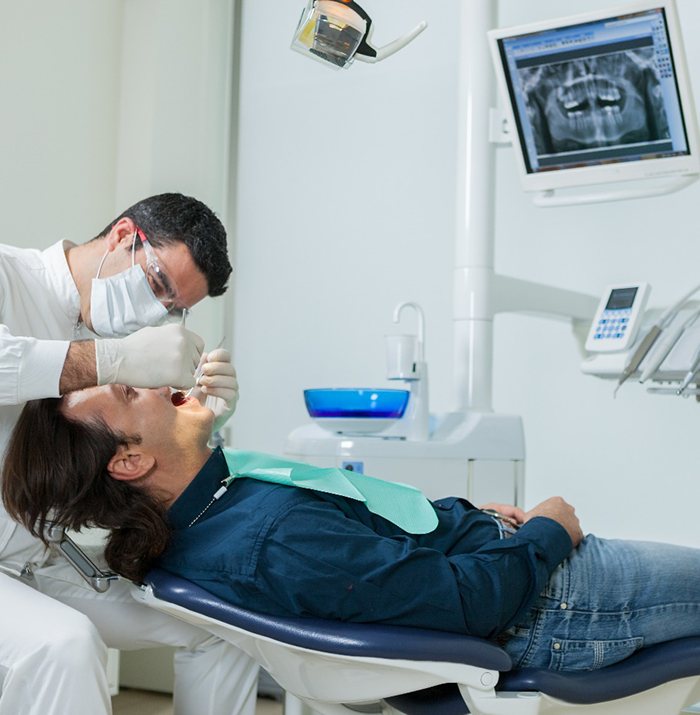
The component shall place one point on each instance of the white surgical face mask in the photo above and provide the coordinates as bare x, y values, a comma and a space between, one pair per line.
123, 303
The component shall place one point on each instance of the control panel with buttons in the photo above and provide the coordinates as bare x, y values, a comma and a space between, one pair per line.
617, 319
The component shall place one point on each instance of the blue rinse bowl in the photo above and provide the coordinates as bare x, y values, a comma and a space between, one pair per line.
355, 409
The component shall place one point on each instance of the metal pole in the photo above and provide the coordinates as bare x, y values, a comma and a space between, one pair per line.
474, 245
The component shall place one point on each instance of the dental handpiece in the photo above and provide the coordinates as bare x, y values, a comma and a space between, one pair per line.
638, 355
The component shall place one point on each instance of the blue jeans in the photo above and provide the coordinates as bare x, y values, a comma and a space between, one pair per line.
605, 601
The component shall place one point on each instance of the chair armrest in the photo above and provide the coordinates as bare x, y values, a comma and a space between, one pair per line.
99, 579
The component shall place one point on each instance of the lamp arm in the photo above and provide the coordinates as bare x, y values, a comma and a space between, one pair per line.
381, 53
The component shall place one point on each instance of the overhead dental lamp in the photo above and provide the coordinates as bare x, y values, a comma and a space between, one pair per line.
336, 32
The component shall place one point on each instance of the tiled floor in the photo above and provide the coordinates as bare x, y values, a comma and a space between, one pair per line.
140, 702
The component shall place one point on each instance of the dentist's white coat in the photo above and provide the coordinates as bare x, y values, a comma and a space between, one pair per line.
52, 657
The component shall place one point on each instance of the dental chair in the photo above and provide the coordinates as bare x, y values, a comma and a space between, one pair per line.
419, 672
327, 664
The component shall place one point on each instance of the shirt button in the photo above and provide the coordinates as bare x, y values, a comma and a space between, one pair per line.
557, 646
563, 606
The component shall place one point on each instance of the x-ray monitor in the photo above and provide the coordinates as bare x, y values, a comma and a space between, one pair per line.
600, 97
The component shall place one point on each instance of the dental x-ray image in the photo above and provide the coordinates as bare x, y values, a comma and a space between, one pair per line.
601, 101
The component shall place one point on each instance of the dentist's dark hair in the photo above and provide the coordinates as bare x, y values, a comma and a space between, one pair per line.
172, 218
56, 471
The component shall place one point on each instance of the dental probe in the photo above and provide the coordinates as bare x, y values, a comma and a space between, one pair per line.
694, 368
664, 346
639, 355
672, 391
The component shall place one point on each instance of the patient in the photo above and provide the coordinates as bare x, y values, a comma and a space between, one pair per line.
137, 462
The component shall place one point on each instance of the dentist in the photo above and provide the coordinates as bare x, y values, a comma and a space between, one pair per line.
128, 287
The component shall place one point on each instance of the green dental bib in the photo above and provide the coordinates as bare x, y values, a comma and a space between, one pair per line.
400, 504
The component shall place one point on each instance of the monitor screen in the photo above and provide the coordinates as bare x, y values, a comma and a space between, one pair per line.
603, 92
621, 298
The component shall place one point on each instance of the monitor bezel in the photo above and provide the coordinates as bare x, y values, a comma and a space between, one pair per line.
667, 167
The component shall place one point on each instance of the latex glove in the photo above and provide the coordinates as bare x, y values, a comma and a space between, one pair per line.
150, 357
217, 386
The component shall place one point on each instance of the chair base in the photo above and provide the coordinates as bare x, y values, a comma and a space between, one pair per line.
667, 699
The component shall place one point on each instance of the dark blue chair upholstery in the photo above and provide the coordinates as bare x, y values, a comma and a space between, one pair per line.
334, 636
645, 669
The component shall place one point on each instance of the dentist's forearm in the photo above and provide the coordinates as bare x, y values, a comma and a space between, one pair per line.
79, 369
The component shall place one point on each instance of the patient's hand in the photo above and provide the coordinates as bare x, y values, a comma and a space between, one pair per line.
512, 512
563, 513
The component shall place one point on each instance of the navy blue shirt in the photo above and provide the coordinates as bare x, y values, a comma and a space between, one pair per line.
288, 551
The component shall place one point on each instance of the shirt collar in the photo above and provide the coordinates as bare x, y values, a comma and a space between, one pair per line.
61, 280
199, 491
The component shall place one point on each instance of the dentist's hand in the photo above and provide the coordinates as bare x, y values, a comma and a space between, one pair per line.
150, 357
217, 387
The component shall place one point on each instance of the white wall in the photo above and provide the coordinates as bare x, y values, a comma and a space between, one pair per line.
175, 113
346, 194
59, 73
345, 207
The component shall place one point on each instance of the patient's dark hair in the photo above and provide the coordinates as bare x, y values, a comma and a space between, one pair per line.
56, 471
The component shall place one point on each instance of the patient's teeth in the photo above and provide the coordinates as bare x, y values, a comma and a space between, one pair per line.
611, 94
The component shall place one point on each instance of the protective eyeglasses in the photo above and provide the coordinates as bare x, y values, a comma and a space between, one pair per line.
163, 288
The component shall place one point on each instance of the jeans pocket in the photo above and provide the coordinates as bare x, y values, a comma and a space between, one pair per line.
569, 655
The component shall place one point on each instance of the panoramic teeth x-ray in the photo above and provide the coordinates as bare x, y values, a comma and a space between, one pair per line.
594, 102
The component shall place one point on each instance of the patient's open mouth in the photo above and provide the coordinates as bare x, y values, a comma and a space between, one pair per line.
178, 398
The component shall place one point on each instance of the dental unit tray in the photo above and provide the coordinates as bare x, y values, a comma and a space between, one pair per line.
355, 410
